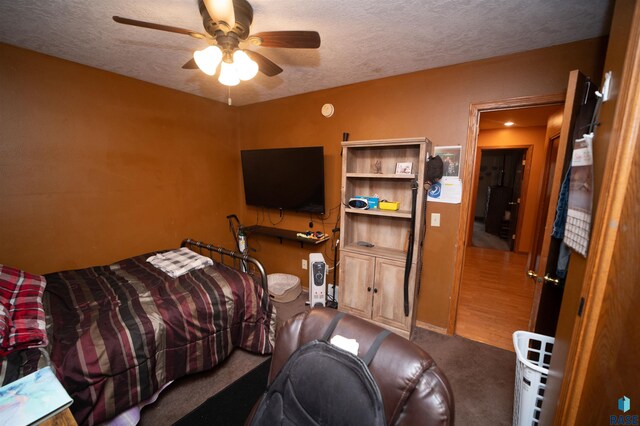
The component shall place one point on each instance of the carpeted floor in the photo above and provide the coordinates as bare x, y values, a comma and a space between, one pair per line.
486, 240
481, 376
185, 395
232, 405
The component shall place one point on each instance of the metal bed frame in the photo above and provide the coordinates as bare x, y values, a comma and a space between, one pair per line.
245, 259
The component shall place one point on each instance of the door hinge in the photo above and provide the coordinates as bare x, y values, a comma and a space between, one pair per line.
524, 162
581, 306
513, 237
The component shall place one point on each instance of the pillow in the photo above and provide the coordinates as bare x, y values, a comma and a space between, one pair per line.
21, 296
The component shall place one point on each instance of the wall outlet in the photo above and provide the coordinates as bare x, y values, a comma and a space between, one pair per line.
330, 291
304, 264
435, 219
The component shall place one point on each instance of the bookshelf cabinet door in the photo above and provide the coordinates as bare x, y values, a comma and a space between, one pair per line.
388, 298
356, 283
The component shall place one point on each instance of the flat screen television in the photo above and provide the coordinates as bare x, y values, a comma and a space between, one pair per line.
284, 178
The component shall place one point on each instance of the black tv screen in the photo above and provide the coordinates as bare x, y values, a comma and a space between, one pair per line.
284, 178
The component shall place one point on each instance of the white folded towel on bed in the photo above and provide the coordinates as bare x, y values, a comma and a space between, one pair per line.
179, 262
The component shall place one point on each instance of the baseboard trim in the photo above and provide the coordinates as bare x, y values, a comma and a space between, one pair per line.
431, 327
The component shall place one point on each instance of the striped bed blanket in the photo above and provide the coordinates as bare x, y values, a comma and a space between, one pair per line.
118, 333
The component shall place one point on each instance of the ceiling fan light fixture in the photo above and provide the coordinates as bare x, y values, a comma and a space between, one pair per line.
221, 11
246, 68
228, 74
227, 24
208, 59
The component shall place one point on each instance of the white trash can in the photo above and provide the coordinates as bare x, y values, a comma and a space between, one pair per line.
533, 352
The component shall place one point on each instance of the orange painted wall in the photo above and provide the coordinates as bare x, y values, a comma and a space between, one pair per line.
523, 136
432, 103
95, 167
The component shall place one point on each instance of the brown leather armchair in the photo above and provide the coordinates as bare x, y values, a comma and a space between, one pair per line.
414, 390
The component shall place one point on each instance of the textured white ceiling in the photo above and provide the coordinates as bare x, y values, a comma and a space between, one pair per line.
361, 39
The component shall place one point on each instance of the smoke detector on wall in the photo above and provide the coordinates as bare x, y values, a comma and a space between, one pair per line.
327, 110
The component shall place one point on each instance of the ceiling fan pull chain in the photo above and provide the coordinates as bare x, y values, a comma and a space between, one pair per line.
229, 96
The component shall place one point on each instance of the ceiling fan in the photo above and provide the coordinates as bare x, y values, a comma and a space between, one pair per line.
227, 30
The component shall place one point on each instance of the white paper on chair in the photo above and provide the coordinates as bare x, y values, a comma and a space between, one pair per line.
349, 345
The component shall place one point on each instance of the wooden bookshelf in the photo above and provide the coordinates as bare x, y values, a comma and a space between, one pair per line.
372, 277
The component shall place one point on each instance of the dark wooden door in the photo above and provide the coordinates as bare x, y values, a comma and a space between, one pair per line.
514, 204
578, 111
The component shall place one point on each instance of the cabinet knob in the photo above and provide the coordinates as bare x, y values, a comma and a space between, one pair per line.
375, 290
368, 288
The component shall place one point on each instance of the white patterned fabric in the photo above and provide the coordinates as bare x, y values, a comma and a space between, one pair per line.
578, 228
178, 262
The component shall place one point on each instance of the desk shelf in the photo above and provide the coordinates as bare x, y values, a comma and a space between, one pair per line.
284, 234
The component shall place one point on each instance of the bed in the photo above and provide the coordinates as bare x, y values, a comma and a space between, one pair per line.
117, 334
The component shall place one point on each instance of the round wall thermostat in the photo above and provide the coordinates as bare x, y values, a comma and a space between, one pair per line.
327, 110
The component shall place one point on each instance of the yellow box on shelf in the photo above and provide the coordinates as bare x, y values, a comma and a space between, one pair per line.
389, 205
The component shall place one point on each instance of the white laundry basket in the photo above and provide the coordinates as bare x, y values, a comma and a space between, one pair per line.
283, 287
533, 353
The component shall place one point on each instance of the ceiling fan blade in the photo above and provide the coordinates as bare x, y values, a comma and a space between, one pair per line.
221, 11
266, 66
160, 27
190, 65
290, 39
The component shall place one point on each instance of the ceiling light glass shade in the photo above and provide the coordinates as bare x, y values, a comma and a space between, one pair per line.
228, 74
247, 68
221, 10
208, 59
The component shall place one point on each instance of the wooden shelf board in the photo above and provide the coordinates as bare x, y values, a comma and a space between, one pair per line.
283, 234
405, 214
384, 142
380, 176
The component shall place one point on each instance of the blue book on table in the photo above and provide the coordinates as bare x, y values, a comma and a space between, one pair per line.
32, 399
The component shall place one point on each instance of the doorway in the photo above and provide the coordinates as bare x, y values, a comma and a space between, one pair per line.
498, 194
495, 297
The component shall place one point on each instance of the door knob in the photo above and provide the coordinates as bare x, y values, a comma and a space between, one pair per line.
532, 274
553, 281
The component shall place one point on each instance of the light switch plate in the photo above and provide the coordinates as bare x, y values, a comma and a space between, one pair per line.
435, 219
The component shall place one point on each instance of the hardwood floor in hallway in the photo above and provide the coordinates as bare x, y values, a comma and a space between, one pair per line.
495, 296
